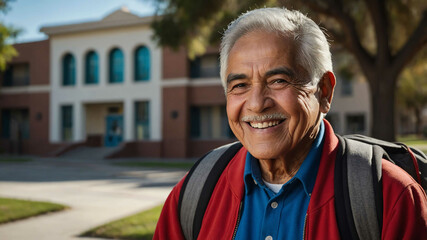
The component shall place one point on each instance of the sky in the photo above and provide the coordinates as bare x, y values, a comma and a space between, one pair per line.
31, 15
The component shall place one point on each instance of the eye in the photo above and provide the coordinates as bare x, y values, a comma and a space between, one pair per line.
279, 81
238, 88
239, 85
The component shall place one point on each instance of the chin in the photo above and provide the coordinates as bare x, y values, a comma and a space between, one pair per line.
264, 152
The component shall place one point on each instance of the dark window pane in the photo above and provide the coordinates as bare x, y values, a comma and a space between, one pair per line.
142, 120
142, 64
91, 76
16, 74
116, 66
67, 122
68, 70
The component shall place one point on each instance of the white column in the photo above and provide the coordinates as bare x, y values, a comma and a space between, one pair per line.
79, 68
156, 118
55, 73
77, 121
55, 122
103, 67
128, 66
128, 120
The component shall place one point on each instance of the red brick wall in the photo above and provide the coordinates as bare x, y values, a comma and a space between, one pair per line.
207, 95
175, 63
38, 107
175, 121
37, 55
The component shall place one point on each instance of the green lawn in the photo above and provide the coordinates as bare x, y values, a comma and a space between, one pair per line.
180, 165
414, 141
138, 226
14, 209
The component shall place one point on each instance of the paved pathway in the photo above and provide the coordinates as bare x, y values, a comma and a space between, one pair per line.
95, 191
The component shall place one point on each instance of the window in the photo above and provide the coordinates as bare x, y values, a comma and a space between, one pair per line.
15, 124
142, 120
209, 122
17, 74
142, 64
205, 66
355, 123
116, 66
91, 76
67, 122
346, 87
68, 70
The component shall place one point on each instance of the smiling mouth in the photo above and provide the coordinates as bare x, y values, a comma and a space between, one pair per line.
266, 124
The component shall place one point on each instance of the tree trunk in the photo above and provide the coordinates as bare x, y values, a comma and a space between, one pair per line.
383, 96
418, 121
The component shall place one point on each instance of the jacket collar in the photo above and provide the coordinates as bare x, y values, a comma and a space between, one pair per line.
323, 188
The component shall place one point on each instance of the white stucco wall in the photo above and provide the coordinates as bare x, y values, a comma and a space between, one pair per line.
357, 103
125, 38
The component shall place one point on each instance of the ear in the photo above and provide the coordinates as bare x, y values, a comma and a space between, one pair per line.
326, 85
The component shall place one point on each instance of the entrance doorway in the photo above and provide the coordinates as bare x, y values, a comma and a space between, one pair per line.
114, 130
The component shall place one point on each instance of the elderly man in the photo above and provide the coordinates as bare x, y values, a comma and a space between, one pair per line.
276, 70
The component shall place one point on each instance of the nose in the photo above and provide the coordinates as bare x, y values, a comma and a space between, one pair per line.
258, 99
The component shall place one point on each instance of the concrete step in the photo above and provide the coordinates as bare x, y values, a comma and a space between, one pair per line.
90, 152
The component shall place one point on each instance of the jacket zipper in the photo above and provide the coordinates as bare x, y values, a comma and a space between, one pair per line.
303, 231
239, 215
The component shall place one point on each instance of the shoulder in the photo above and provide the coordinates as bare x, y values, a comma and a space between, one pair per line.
399, 188
404, 204
395, 177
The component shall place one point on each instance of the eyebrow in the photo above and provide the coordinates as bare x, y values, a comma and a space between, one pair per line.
276, 71
280, 70
235, 76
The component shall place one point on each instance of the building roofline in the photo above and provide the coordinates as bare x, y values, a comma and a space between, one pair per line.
119, 18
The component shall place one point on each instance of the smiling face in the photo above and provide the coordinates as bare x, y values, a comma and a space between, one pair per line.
271, 108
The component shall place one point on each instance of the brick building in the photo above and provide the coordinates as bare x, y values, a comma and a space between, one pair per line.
106, 83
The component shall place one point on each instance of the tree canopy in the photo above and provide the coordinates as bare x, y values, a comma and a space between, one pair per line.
7, 51
382, 35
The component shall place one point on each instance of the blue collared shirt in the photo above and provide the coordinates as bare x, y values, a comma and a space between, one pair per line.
267, 215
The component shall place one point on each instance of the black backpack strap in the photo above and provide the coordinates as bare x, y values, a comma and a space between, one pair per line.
358, 190
343, 210
198, 187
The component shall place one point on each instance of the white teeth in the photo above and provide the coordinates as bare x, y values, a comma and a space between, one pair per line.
264, 124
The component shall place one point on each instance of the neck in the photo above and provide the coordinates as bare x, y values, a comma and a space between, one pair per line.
282, 169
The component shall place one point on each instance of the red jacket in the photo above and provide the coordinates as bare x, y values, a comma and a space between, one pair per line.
404, 215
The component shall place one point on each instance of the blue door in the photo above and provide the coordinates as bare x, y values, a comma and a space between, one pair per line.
114, 130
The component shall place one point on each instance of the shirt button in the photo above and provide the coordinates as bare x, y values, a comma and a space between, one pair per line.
274, 205
269, 238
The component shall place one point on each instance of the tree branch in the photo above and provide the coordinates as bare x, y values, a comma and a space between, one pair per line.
378, 13
414, 43
351, 40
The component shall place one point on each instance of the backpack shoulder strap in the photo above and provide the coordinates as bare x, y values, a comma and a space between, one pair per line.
198, 187
358, 189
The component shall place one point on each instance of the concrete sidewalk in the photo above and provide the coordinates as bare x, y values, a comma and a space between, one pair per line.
96, 192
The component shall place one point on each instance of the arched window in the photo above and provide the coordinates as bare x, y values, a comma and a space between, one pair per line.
116, 66
142, 64
68, 70
91, 65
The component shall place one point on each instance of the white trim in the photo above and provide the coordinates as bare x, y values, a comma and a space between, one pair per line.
179, 82
25, 89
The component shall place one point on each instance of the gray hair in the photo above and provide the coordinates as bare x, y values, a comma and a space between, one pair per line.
313, 52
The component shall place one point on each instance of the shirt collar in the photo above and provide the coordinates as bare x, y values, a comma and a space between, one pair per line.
306, 174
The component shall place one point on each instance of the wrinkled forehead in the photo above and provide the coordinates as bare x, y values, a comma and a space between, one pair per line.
264, 49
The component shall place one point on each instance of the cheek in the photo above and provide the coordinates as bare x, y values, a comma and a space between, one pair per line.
234, 107
303, 110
